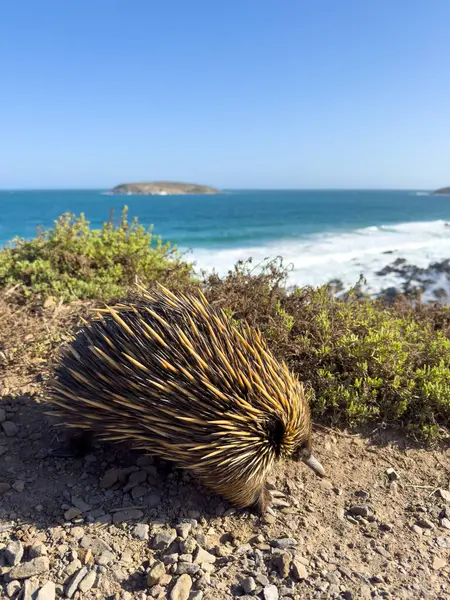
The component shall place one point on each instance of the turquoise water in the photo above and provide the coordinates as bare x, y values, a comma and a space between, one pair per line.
324, 234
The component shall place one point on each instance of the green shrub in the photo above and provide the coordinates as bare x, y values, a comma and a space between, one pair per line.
365, 361
73, 261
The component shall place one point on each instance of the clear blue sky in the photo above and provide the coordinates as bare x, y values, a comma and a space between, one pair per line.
239, 93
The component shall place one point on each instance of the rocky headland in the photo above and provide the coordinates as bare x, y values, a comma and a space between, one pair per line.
163, 188
444, 191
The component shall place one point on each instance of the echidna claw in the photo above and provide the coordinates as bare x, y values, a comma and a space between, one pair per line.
270, 511
277, 494
280, 503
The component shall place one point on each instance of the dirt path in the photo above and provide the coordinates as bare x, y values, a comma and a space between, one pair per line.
120, 525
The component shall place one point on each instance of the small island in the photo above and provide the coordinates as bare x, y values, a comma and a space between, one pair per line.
445, 191
163, 188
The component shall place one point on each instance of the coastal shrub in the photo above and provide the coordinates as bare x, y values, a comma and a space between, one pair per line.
72, 261
366, 362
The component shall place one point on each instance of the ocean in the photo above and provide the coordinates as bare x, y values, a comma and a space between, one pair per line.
323, 234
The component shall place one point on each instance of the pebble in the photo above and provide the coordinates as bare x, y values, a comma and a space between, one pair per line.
443, 542
184, 529
282, 564
9, 428
73, 586
262, 579
29, 589
77, 533
425, 524
362, 510
444, 494
438, 563
198, 595
81, 504
248, 585
127, 515
189, 568
72, 513
12, 588
445, 523
155, 574
105, 558
182, 588
141, 531
37, 550
18, 486
202, 556
284, 543
271, 592
72, 567
13, 553
299, 571
109, 479
392, 474
163, 540
36, 566
88, 582
47, 592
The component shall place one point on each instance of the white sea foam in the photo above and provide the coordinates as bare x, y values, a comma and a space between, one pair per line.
318, 259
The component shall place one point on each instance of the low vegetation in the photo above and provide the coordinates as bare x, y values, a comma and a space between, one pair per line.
367, 363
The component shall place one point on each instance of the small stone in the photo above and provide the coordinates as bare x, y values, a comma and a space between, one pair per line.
4, 487
47, 592
72, 513
29, 589
445, 523
262, 580
443, 542
9, 428
184, 530
361, 510
18, 486
299, 571
36, 566
12, 588
137, 477
189, 568
347, 595
37, 550
138, 492
105, 558
198, 595
362, 494
425, 524
77, 533
248, 585
127, 515
141, 531
202, 556
185, 558
417, 529
13, 553
72, 567
88, 582
163, 540
392, 474
73, 586
2, 415
282, 563
182, 588
444, 494
109, 478
284, 543
188, 545
438, 563
269, 519
81, 504
155, 574
271, 592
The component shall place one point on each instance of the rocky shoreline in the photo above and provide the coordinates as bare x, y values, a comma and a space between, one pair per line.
432, 283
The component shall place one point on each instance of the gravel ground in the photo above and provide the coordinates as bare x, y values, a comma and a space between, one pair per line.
121, 525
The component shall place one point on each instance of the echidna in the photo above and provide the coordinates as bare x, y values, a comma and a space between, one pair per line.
173, 375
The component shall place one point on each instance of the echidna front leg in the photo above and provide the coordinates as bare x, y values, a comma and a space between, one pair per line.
263, 501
